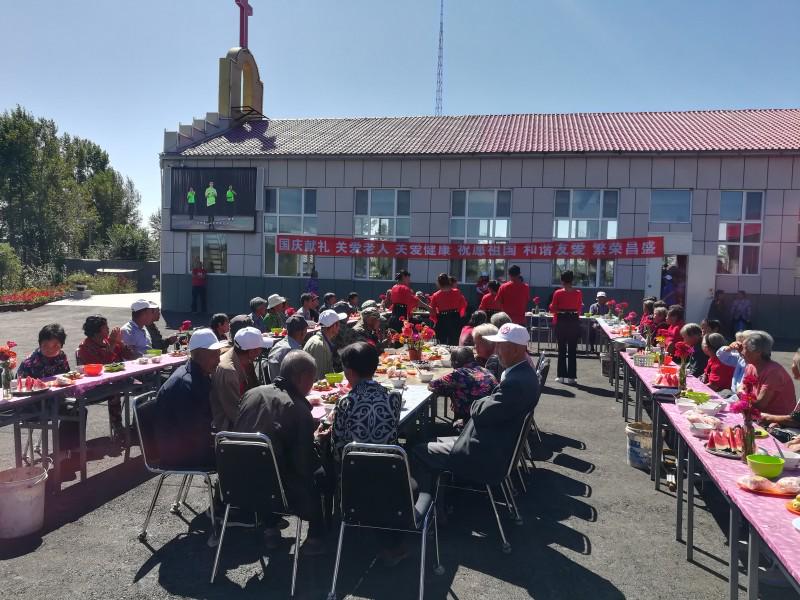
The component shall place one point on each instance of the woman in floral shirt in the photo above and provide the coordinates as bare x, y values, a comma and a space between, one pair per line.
49, 358
369, 414
466, 383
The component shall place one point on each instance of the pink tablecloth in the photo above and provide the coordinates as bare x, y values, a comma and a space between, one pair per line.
648, 374
607, 329
767, 514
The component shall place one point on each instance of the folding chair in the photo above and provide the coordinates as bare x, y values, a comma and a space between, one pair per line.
144, 415
249, 479
376, 493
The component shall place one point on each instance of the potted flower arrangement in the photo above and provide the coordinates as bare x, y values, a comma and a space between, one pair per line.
536, 301
8, 362
745, 405
611, 304
414, 337
683, 351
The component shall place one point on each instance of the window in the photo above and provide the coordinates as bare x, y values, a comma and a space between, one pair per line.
381, 214
670, 206
479, 217
739, 232
212, 249
288, 210
590, 215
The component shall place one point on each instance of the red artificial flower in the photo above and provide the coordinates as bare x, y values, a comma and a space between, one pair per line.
11, 344
186, 326
402, 319
290, 311
382, 296
623, 305
419, 326
611, 302
683, 350
749, 381
536, 299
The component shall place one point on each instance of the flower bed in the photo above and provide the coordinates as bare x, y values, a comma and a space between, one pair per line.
30, 298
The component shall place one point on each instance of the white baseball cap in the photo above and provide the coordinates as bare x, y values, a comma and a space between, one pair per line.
601, 294
274, 300
330, 317
250, 338
516, 334
141, 304
205, 339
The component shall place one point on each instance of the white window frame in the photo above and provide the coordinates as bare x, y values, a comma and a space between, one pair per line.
691, 201
494, 265
202, 235
305, 262
572, 220
397, 263
742, 222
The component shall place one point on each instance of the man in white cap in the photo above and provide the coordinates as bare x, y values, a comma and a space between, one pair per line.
599, 308
321, 345
134, 333
235, 375
482, 451
276, 312
183, 408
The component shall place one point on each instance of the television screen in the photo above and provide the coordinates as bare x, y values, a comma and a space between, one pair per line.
213, 199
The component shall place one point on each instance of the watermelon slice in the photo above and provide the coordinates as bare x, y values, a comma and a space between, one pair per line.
738, 440
711, 444
723, 441
28, 383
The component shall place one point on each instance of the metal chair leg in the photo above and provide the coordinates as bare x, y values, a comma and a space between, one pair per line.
332, 593
438, 569
508, 502
517, 517
212, 540
536, 429
422, 557
186, 490
522, 480
175, 509
143, 531
296, 553
506, 547
219, 545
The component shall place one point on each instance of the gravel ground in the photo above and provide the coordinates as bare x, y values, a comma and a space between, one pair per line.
594, 527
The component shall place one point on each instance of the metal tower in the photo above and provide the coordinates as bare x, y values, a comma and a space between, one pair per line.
438, 110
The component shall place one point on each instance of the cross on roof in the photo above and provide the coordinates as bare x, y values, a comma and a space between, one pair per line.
245, 11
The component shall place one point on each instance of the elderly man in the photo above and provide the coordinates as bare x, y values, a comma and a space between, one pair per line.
159, 342
296, 329
282, 412
258, 310
235, 375
134, 333
467, 382
368, 328
692, 335
772, 385
321, 345
484, 349
352, 300
276, 312
499, 319
485, 445
600, 307
183, 408
308, 307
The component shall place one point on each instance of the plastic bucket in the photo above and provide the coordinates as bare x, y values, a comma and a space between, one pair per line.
22, 494
640, 445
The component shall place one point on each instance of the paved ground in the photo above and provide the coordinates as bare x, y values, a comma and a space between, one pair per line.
594, 527
110, 300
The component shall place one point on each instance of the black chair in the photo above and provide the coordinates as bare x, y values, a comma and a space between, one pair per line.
144, 415
376, 493
250, 480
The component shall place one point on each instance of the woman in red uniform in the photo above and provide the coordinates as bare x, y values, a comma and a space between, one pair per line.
403, 301
489, 303
448, 306
566, 308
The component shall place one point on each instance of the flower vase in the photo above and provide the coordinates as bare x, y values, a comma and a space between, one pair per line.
682, 378
748, 439
414, 354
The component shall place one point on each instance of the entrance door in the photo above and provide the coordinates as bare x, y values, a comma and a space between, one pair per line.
673, 279
700, 282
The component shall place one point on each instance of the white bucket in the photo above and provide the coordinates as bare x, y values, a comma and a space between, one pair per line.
640, 445
22, 501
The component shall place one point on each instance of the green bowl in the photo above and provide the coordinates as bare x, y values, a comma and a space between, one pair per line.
334, 377
765, 466
153, 352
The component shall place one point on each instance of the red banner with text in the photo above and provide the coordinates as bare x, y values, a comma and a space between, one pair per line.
643, 247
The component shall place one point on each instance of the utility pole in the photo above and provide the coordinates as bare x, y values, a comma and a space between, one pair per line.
438, 110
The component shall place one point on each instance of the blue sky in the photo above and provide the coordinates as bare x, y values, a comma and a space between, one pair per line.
120, 72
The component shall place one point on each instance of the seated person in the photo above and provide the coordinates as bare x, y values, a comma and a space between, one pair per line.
134, 333
183, 408
220, 325
465, 338
276, 313
308, 307
49, 358
675, 323
769, 381
600, 307
710, 326
482, 451
234, 376
352, 300
328, 300
716, 375
346, 335
792, 420
296, 329
499, 319
467, 382
258, 310
692, 335
731, 355
484, 349
658, 326
368, 329
648, 306
321, 345
369, 413
282, 412
158, 341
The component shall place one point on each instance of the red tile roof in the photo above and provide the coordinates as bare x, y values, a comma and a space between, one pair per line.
695, 131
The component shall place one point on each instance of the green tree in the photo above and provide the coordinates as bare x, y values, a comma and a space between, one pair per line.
10, 268
129, 242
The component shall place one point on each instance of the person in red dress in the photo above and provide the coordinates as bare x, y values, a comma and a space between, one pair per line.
514, 296
199, 282
402, 300
676, 323
716, 375
489, 303
647, 315
448, 306
566, 308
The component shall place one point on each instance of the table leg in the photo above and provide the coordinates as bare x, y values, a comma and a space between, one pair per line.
658, 441
52, 421
733, 551
653, 444
82, 434
626, 386
679, 492
753, 552
126, 402
690, 506
638, 403
616, 376
17, 442
625, 407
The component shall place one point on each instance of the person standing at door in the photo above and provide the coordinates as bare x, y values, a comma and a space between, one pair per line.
211, 201
566, 307
514, 295
199, 281
230, 199
190, 200
741, 312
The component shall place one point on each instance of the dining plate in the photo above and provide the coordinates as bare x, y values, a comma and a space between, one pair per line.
791, 509
725, 454
766, 492
796, 523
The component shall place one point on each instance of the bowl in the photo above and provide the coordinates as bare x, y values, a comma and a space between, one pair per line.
155, 359
334, 377
142, 360
398, 382
791, 459
709, 408
765, 466
666, 369
446, 362
701, 430
631, 351
425, 376
92, 369
153, 352
684, 404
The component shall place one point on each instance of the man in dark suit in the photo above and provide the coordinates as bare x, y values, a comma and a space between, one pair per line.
482, 451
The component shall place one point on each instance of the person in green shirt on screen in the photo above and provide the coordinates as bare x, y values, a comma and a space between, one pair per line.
230, 197
211, 201
190, 200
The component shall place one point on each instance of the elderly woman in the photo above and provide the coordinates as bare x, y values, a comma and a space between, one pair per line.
478, 318
467, 382
773, 387
49, 358
499, 319
791, 420
484, 349
692, 335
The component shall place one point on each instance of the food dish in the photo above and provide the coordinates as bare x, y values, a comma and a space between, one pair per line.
322, 386
93, 369
114, 367
794, 506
